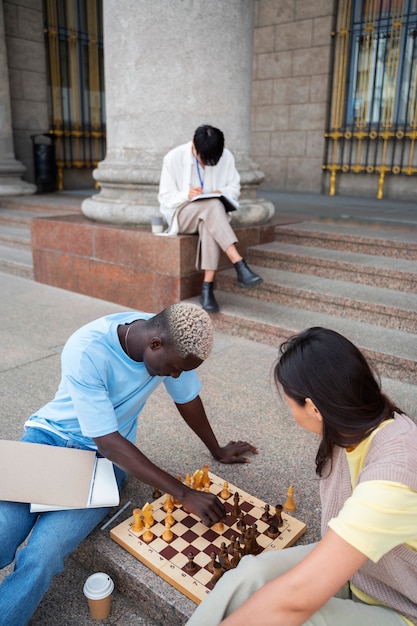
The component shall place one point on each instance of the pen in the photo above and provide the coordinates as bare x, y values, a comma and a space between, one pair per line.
116, 515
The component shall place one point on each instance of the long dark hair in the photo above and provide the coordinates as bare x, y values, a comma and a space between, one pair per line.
321, 364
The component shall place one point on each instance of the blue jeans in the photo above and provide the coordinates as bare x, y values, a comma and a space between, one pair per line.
54, 536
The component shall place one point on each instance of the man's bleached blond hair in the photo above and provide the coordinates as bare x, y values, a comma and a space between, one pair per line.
188, 327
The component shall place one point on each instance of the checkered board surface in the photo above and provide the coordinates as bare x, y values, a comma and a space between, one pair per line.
168, 560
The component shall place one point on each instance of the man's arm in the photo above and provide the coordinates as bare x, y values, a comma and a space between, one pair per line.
127, 456
195, 416
292, 598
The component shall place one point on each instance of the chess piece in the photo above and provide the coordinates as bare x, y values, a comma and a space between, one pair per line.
240, 524
236, 508
272, 532
147, 514
137, 525
210, 566
197, 480
235, 558
278, 515
231, 548
254, 547
168, 504
289, 506
170, 518
246, 545
205, 479
190, 566
218, 527
266, 514
225, 493
148, 535
167, 535
224, 562
218, 572
188, 480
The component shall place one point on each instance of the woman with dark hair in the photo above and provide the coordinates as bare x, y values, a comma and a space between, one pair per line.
364, 569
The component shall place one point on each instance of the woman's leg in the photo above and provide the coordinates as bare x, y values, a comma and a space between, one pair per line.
237, 585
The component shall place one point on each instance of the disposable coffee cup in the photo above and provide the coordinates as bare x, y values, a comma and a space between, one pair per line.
98, 589
157, 224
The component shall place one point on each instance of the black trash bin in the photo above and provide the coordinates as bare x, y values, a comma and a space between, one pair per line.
44, 161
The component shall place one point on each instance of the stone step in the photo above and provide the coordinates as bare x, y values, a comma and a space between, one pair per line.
398, 242
59, 203
23, 217
379, 271
16, 236
16, 261
388, 308
391, 350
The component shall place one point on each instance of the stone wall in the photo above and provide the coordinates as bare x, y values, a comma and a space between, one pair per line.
292, 54
27, 75
290, 99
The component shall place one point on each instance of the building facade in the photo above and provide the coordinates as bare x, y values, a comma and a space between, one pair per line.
333, 103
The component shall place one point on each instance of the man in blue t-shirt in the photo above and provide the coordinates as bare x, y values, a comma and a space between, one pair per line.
109, 369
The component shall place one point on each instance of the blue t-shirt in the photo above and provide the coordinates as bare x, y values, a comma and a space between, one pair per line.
102, 390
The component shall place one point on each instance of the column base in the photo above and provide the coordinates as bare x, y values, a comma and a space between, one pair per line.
10, 181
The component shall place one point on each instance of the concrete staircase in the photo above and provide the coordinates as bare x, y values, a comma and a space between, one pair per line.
358, 279
16, 214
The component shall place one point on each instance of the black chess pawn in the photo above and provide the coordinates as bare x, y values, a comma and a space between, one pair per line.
156, 494
190, 566
210, 566
266, 514
231, 548
278, 514
272, 531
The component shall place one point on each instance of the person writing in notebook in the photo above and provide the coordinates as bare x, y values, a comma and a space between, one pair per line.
197, 168
109, 368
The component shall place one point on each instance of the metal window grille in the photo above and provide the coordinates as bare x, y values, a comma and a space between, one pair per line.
74, 39
372, 126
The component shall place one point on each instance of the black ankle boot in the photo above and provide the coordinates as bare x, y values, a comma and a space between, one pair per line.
245, 277
207, 299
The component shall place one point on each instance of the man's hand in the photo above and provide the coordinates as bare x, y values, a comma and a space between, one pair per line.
205, 505
233, 451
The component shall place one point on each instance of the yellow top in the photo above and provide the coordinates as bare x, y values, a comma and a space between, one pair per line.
378, 516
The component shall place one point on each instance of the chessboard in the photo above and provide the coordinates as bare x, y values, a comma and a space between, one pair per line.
196, 555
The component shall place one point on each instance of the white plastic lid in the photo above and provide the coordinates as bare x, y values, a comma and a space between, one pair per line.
98, 586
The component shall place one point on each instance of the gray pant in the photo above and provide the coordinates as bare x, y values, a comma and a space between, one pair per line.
209, 219
253, 572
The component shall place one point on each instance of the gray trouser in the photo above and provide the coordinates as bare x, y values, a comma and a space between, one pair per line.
209, 219
253, 572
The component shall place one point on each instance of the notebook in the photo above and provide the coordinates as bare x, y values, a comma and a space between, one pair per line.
55, 478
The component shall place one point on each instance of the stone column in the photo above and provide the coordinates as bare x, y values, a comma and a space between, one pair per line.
169, 67
11, 170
